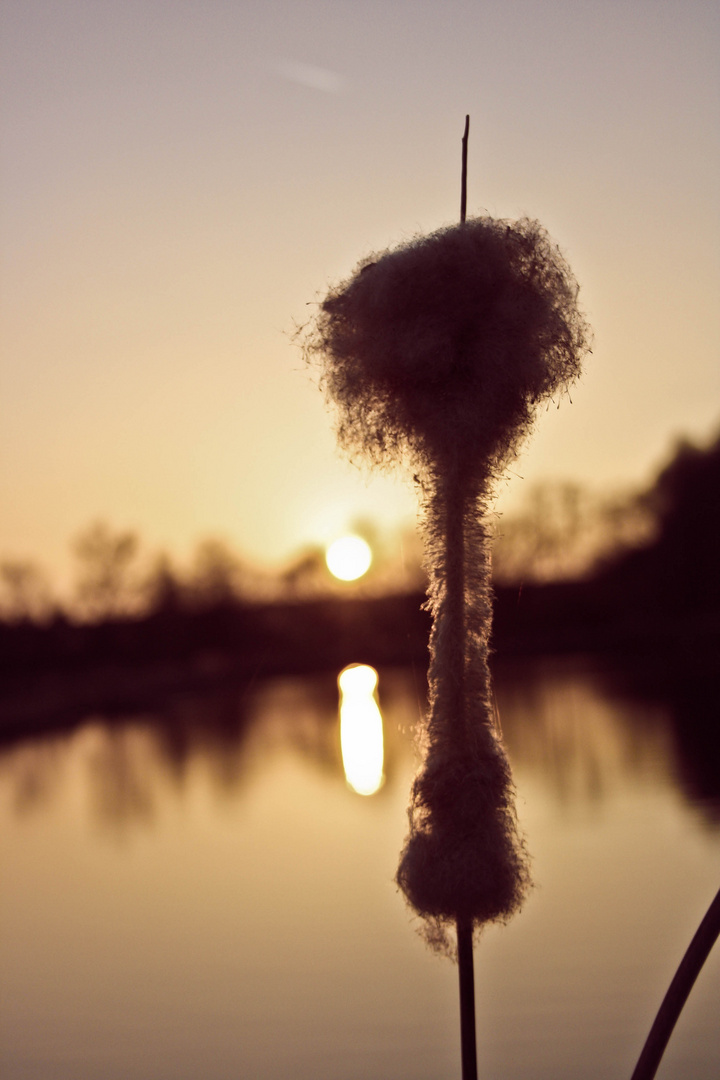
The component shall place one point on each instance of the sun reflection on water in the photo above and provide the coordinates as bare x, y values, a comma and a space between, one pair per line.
361, 729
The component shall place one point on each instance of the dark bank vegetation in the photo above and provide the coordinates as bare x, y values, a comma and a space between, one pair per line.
662, 590
135, 631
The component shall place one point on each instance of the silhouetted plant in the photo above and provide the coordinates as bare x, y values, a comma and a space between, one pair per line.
437, 355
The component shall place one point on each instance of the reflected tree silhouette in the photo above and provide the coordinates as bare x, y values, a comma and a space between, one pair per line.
689, 691
566, 722
583, 727
229, 732
121, 768
33, 771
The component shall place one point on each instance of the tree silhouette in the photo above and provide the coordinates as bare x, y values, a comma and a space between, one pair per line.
107, 583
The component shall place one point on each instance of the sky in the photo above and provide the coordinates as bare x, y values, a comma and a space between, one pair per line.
182, 182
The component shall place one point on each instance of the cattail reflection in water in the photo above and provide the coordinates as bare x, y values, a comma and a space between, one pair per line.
361, 729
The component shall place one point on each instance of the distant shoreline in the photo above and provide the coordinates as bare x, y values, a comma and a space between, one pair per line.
52, 675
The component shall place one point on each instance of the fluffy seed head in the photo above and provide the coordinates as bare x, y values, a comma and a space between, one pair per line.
444, 346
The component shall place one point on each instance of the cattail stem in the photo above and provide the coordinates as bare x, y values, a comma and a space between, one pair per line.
467, 999
455, 584
454, 614
454, 672
463, 184
678, 991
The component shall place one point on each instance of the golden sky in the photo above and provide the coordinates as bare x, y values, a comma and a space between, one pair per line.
180, 182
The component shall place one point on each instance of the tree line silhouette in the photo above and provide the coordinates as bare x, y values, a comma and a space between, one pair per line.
140, 629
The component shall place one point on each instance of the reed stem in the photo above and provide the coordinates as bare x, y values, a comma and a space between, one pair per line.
697, 953
468, 1045
463, 181
454, 673
455, 584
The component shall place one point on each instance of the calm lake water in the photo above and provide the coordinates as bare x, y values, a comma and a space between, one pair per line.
199, 894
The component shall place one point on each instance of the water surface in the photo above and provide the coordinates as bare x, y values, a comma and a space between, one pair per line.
199, 893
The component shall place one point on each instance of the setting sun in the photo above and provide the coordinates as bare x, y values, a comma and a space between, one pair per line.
348, 558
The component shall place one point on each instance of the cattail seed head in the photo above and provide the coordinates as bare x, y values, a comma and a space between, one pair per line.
442, 348
437, 354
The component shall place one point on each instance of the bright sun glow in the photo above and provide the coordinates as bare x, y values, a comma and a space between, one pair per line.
348, 558
361, 729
